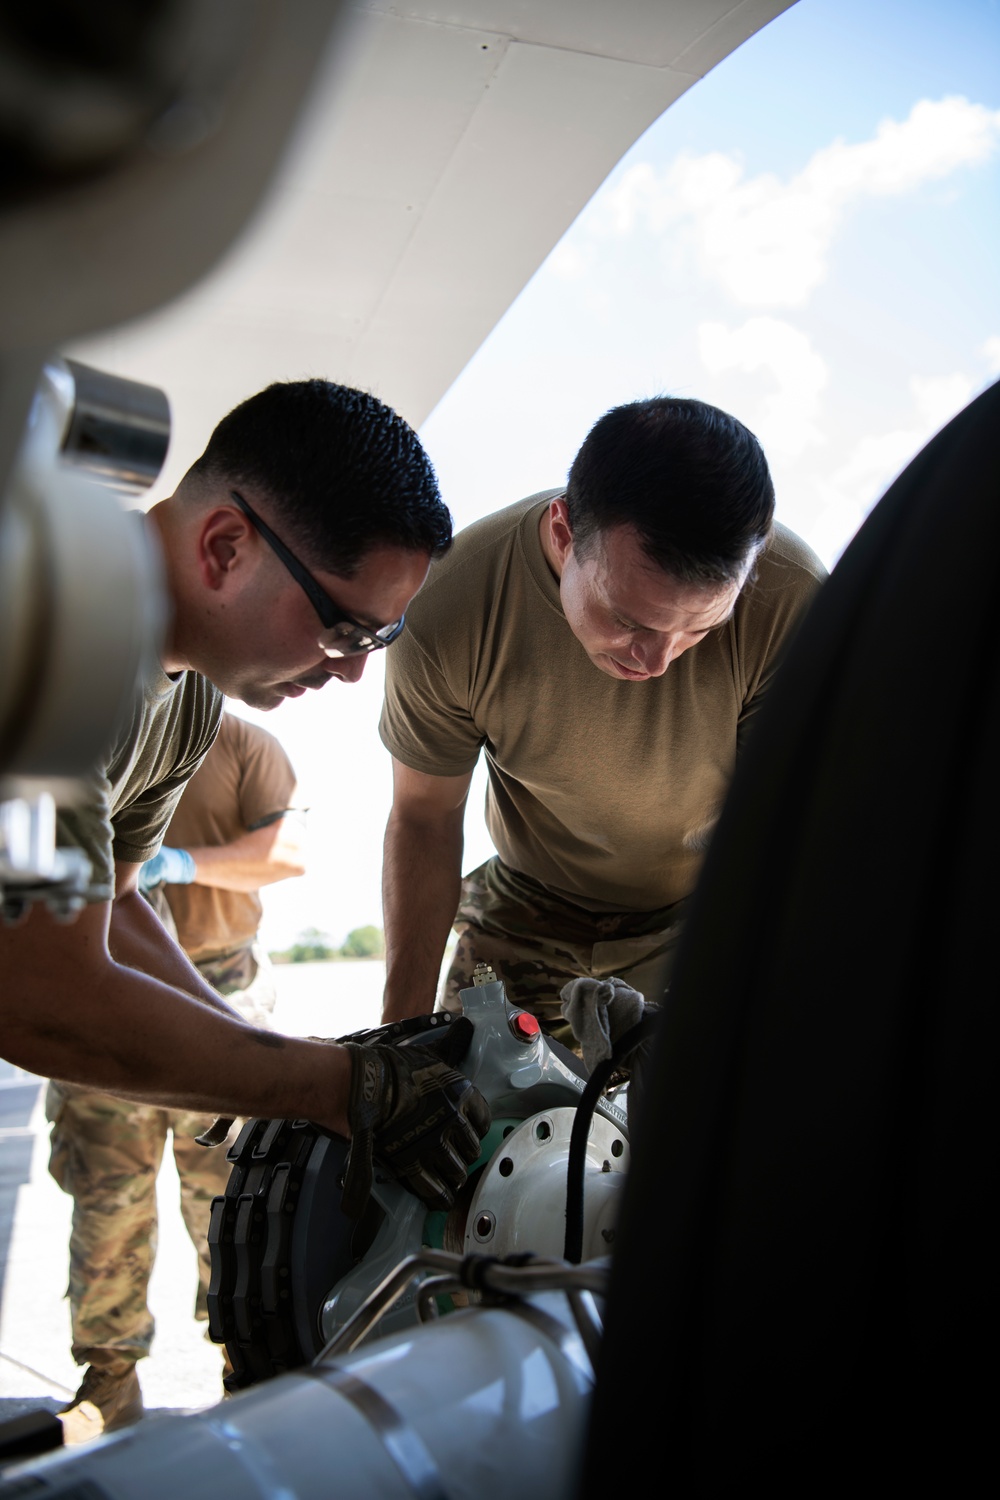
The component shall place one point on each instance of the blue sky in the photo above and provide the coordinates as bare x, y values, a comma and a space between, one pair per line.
806, 233
807, 238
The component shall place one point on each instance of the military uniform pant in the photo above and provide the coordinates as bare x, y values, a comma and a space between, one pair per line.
535, 942
106, 1153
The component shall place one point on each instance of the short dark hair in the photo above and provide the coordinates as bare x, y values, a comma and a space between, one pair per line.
691, 479
344, 472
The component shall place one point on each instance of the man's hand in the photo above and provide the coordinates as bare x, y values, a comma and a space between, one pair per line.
600, 1011
416, 1113
604, 1013
170, 867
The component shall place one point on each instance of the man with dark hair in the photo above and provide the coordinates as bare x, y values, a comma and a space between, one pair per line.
291, 551
721, 499
604, 785
344, 471
304, 470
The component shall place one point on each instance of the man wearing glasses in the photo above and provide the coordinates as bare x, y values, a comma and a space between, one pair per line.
291, 551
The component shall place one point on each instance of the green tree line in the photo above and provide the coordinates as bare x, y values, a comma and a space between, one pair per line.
314, 946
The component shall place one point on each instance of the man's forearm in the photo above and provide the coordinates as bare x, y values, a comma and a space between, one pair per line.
137, 939
260, 857
223, 1067
70, 1011
421, 884
229, 1068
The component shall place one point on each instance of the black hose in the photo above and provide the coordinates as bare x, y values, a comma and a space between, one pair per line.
587, 1103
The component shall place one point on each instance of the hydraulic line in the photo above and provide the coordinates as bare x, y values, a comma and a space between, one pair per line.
576, 1166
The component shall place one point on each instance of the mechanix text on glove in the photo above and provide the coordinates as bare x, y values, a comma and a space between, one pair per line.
415, 1112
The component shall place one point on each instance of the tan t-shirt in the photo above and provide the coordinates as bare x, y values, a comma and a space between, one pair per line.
246, 782
603, 791
129, 797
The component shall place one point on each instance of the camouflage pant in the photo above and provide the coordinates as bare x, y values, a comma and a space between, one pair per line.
106, 1153
536, 942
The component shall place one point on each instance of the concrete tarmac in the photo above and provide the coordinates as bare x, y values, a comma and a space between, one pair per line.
184, 1371
36, 1367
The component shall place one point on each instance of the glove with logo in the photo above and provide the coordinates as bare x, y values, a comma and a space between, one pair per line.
418, 1115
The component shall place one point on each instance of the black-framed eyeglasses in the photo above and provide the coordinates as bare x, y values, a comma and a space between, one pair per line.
340, 636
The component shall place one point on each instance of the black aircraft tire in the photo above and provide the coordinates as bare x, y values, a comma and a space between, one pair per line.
278, 1240
278, 1243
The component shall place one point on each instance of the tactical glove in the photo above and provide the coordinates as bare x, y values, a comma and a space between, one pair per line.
420, 1117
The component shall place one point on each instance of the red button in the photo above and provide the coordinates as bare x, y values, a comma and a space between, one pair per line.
524, 1026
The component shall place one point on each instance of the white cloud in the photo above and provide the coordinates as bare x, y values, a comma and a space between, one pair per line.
851, 491
568, 260
786, 422
767, 240
990, 351
938, 398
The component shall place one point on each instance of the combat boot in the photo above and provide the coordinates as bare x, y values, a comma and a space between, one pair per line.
109, 1397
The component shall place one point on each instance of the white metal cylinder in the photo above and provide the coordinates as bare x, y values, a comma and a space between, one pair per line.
487, 1404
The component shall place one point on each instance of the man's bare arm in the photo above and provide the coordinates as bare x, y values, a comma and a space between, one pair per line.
70, 1010
137, 939
421, 882
260, 857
